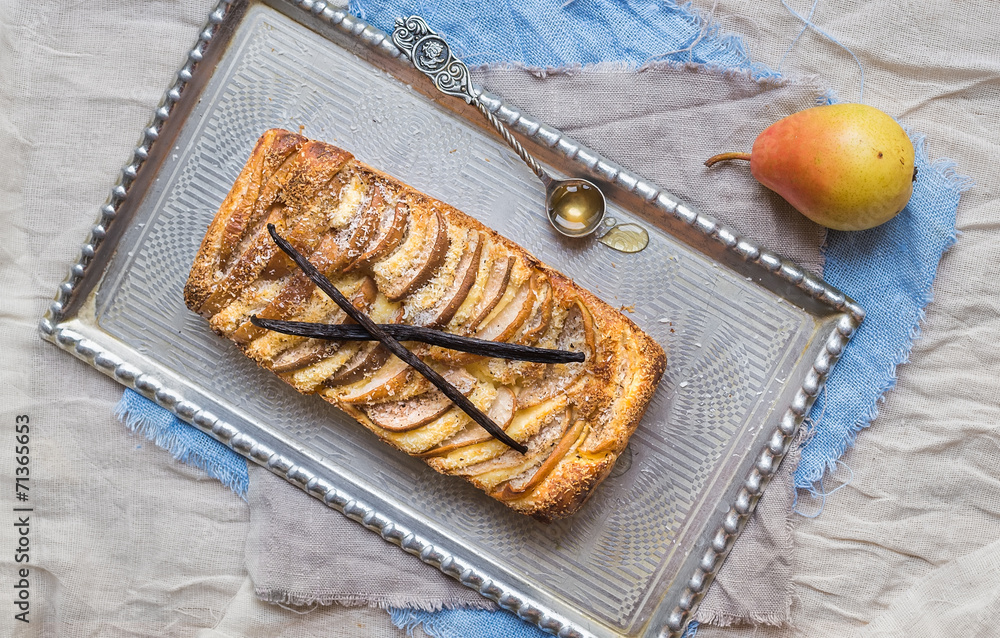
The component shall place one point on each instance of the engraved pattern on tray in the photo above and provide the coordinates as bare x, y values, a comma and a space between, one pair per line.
725, 367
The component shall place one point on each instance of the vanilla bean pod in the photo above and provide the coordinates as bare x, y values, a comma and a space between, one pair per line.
483, 347
393, 345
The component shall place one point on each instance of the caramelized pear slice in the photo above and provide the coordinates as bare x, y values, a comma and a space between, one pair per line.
495, 289
403, 416
296, 291
370, 358
273, 152
286, 353
577, 335
391, 230
309, 379
381, 386
304, 355
225, 234
427, 436
541, 314
488, 474
527, 422
538, 325
530, 478
304, 177
509, 320
423, 250
365, 226
424, 299
465, 276
501, 411
246, 268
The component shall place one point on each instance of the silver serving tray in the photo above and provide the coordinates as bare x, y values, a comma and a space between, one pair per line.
750, 337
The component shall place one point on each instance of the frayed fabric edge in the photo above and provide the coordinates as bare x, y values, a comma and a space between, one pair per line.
946, 169
285, 598
823, 95
792, 456
717, 619
160, 433
409, 621
404, 620
710, 31
826, 98
570, 70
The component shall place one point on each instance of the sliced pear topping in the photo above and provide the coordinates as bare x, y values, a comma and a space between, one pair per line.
225, 234
365, 226
489, 473
308, 379
559, 377
465, 277
468, 309
525, 424
530, 478
538, 325
541, 313
296, 291
495, 289
303, 178
371, 357
501, 411
420, 301
245, 271
274, 169
269, 346
508, 321
381, 386
351, 196
423, 250
391, 230
304, 355
403, 416
427, 436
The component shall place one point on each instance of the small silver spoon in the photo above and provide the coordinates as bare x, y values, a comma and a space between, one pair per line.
575, 206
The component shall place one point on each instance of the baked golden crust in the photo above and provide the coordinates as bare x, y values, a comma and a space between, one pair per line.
404, 257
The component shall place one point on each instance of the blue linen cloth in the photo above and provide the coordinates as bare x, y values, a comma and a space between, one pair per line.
556, 33
188, 444
478, 623
888, 270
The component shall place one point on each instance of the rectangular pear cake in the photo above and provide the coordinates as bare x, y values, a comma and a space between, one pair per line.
402, 257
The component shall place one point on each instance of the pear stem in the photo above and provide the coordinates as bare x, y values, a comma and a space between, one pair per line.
721, 157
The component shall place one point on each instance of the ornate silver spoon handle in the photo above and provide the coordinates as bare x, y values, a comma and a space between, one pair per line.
433, 57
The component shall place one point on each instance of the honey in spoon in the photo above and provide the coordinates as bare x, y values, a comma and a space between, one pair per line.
575, 206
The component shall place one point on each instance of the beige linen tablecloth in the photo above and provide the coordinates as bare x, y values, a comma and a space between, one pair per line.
134, 543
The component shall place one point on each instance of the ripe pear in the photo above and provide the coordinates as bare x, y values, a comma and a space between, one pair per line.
844, 166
